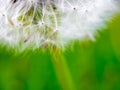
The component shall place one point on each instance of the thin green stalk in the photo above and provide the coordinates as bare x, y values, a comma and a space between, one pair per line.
62, 70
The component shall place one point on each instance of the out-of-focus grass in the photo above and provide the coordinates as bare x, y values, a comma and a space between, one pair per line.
93, 65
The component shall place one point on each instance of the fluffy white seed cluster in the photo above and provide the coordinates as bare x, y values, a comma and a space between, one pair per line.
36, 23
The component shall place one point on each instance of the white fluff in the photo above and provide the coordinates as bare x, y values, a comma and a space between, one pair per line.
55, 22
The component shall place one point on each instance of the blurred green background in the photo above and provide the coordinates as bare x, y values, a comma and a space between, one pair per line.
92, 65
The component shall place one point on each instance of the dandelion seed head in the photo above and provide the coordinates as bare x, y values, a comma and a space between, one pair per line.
37, 23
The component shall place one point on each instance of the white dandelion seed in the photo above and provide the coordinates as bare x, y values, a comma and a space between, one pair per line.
35, 23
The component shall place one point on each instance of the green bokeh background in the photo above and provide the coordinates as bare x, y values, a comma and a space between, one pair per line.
92, 65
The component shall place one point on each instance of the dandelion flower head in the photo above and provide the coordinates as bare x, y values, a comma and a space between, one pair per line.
36, 23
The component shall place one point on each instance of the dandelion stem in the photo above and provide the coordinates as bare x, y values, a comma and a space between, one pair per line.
62, 70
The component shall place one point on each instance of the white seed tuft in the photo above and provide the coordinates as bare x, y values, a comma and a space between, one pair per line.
36, 23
